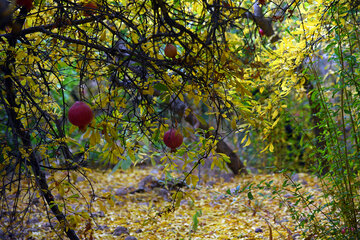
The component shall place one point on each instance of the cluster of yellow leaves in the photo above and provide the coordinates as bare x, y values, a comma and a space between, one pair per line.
282, 65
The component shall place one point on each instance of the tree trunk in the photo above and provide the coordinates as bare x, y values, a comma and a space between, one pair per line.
19, 132
318, 132
235, 164
41, 182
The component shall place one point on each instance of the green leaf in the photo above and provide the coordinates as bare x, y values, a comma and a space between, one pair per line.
156, 135
161, 87
126, 163
196, 220
285, 183
201, 119
75, 196
228, 191
250, 196
116, 167
131, 155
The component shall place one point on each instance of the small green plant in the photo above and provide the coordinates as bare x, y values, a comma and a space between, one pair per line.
195, 223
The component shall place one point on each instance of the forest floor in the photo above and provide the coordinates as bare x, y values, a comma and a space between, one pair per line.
135, 203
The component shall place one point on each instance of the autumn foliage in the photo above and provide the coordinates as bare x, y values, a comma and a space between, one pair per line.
239, 101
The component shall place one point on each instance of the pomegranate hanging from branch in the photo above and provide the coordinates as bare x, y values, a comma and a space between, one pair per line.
170, 51
173, 139
80, 114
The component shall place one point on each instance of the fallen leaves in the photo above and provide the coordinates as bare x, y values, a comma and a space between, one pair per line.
216, 209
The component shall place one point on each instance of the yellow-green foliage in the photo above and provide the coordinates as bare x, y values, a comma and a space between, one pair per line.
221, 60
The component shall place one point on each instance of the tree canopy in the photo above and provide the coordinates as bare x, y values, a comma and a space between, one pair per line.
236, 66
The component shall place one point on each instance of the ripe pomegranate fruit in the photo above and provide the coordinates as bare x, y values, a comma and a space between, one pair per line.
80, 114
170, 51
89, 8
28, 4
226, 4
173, 139
262, 33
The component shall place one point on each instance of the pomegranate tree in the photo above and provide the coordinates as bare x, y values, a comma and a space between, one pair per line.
170, 51
173, 139
80, 114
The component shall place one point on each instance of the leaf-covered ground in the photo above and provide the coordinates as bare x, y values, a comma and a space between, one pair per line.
130, 203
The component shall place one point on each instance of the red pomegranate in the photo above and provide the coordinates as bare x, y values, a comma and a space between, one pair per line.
89, 8
28, 4
80, 114
173, 139
262, 33
170, 51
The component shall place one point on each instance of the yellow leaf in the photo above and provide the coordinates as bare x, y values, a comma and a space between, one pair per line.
94, 138
243, 140
23, 82
201, 120
131, 155
102, 207
87, 133
233, 123
271, 147
274, 124
275, 114
264, 149
103, 36
72, 128
179, 197
150, 91
262, 89
73, 176
248, 142
194, 180
61, 189
213, 164
223, 236
110, 201
181, 97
